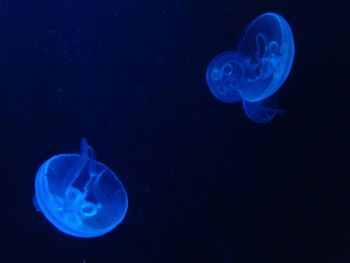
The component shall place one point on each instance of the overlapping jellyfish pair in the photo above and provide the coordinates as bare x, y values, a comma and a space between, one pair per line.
79, 195
258, 68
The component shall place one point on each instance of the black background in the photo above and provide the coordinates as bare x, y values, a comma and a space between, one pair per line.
205, 184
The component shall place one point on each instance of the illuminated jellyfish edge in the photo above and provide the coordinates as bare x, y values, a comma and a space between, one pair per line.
288, 34
43, 206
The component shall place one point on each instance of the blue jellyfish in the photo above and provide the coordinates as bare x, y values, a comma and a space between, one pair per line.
79, 195
258, 68
262, 111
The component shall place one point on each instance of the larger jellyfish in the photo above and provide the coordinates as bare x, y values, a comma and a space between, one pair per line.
257, 69
79, 195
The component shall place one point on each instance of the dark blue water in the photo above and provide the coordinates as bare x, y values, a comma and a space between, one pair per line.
204, 183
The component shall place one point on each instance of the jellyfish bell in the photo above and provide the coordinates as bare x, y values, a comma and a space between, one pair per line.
268, 48
223, 75
79, 195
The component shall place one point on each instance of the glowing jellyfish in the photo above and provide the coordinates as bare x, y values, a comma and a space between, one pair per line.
262, 111
257, 70
79, 195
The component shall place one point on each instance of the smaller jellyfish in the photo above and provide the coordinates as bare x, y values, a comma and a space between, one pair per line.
262, 111
223, 75
257, 69
79, 195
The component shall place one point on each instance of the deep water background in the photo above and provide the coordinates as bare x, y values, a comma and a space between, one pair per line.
205, 184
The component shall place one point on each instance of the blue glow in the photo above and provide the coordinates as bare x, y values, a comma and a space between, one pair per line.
79, 195
257, 70
262, 111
